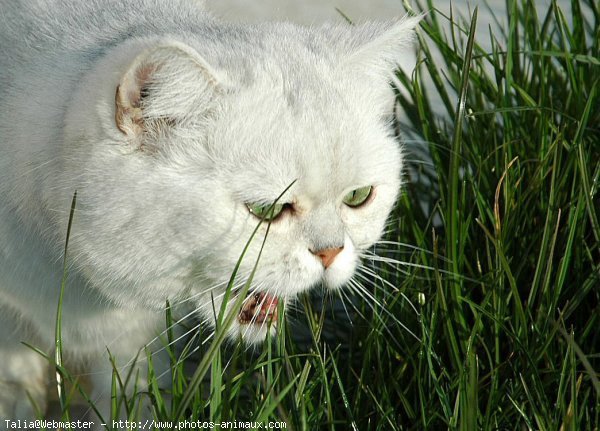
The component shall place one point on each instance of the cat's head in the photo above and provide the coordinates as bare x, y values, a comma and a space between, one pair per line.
203, 137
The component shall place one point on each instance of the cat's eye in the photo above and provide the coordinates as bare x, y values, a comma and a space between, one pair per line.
358, 197
267, 212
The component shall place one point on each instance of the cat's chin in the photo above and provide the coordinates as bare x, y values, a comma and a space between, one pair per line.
253, 333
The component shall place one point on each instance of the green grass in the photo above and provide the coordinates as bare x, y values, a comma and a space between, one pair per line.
502, 260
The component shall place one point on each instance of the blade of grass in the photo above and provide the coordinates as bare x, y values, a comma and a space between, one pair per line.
453, 226
58, 345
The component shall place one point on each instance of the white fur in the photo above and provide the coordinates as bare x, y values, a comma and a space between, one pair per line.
235, 114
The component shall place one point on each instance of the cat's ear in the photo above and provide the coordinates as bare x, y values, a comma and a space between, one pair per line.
163, 86
379, 48
370, 55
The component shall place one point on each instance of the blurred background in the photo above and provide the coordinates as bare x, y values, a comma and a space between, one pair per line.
314, 11
491, 13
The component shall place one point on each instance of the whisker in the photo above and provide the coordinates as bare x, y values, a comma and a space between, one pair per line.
341, 295
361, 291
379, 278
359, 288
411, 246
390, 260
367, 271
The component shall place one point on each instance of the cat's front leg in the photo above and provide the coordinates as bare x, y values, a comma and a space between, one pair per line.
23, 372
129, 354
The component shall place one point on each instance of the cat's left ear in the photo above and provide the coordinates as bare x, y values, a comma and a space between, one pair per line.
165, 85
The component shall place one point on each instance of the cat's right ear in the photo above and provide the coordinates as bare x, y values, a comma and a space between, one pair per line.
385, 45
164, 86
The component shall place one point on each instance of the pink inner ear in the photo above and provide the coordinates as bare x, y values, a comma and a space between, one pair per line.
128, 118
128, 114
181, 85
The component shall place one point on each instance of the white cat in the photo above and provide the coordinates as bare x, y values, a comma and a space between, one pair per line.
177, 131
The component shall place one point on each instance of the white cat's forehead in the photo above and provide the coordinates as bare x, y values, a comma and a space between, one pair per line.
290, 115
264, 143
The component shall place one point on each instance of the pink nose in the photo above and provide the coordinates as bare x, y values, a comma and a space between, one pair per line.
327, 255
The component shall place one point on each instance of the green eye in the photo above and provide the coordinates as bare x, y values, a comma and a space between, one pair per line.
267, 212
358, 196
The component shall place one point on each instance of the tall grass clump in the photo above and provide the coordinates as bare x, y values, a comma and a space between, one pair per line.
510, 315
479, 309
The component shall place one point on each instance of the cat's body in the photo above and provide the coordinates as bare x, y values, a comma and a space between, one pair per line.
207, 117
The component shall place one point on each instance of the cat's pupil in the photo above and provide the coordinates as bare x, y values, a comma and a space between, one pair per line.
358, 197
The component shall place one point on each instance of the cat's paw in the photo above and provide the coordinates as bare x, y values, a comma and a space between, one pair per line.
24, 402
22, 385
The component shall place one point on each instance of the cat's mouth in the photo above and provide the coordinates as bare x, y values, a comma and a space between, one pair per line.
259, 308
